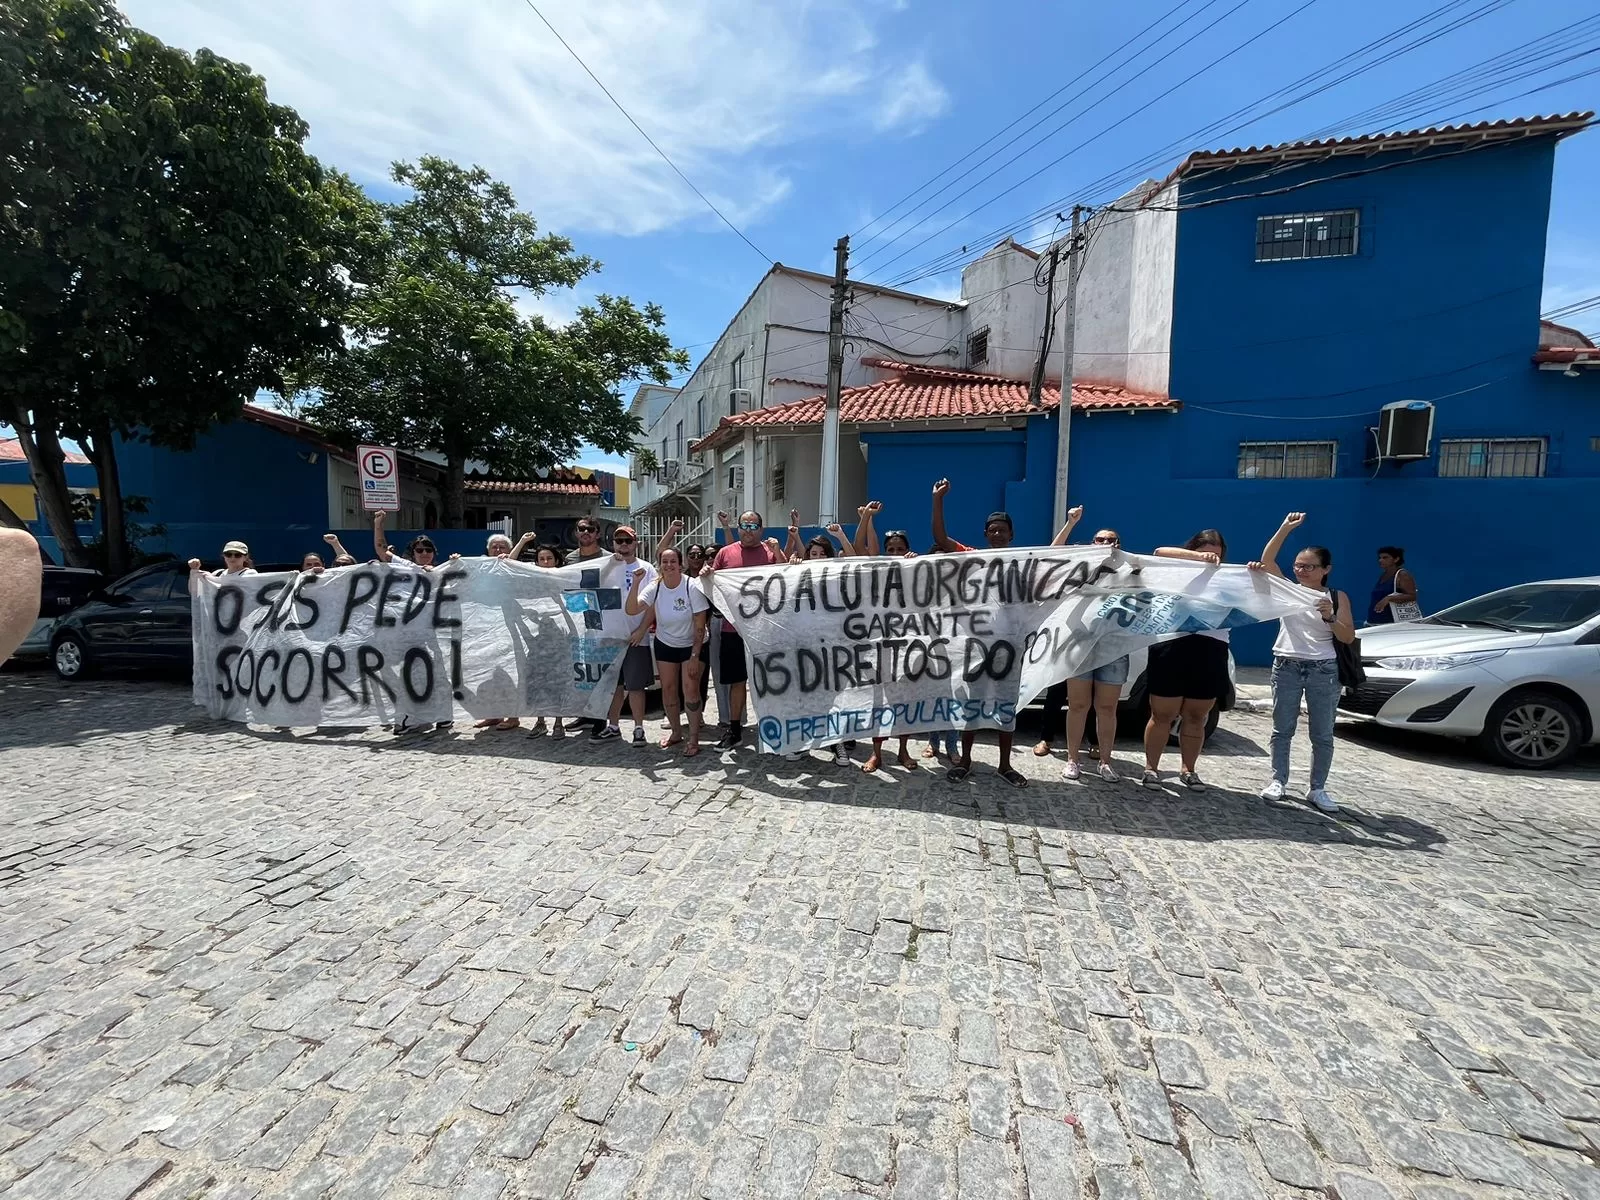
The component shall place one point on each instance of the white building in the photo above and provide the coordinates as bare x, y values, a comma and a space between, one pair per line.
775, 349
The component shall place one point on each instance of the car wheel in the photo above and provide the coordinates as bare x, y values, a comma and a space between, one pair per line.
70, 657
1532, 730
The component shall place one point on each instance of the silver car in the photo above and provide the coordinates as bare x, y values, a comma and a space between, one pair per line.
1517, 671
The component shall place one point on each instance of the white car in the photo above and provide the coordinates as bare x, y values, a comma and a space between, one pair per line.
1517, 671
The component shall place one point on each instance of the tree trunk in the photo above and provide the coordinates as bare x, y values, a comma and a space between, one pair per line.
102, 450
46, 465
455, 491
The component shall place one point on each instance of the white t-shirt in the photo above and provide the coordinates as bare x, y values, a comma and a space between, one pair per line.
675, 610
624, 573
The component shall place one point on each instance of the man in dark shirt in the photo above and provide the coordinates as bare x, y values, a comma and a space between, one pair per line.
733, 667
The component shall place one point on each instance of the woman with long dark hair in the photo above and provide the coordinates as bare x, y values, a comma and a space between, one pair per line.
1185, 678
1305, 665
1394, 596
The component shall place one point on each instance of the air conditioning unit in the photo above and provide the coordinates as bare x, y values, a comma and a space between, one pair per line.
1405, 430
740, 400
670, 471
736, 479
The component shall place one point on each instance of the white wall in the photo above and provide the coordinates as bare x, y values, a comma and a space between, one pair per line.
1000, 296
1124, 308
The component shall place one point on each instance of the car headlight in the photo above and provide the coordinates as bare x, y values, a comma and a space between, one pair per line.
1438, 662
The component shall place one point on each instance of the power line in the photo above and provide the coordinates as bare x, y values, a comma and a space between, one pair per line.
703, 198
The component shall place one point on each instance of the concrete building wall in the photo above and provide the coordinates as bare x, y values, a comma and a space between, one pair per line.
1001, 300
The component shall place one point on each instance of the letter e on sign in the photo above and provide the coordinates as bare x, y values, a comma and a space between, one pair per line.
379, 467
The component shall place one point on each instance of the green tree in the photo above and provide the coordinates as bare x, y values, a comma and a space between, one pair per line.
167, 246
440, 359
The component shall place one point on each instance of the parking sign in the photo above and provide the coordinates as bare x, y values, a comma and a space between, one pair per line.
379, 467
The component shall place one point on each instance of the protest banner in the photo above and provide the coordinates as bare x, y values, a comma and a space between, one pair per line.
869, 647
373, 645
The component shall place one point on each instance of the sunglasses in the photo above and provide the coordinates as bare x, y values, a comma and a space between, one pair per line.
1105, 541
749, 524
623, 541
231, 554
586, 529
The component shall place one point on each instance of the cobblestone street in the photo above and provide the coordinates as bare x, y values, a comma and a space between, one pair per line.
240, 963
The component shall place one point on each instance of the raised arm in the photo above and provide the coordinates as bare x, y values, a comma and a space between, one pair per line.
792, 549
380, 541
846, 547
940, 538
1074, 515
523, 543
633, 606
1274, 546
725, 523
670, 538
866, 539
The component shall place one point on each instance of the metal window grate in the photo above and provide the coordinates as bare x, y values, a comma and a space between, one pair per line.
1492, 458
978, 347
1307, 235
1287, 460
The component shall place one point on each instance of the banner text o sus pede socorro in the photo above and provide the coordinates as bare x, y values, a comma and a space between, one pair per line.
374, 645
872, 647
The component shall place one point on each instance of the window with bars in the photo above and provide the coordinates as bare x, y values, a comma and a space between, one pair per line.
978, 347
1307, 235
1492, 458
1287, 460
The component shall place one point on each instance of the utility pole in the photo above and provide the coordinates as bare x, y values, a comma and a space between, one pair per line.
828, 492
1037, 383
1069, 336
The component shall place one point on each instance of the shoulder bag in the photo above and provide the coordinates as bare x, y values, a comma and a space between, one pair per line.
1348, 654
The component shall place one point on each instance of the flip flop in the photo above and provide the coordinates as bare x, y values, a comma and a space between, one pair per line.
1014, 777
690, 751
957, 774
671, 741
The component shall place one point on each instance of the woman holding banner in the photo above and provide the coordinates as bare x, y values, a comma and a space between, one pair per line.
680, 606
1186, 677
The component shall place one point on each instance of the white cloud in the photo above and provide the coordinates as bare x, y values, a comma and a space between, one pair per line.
723, 86
911, 99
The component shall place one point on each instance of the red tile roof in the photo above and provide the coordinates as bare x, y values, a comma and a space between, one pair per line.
1585, 356
560, 482
11, 451
918, 393
1553, 334
1370, 143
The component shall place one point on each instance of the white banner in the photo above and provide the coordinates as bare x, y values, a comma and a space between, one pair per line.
865, 647
370, 645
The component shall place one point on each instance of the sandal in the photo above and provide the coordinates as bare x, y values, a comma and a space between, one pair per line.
672, 739
510, 723
487, 722
907, 761
872, 764
691, 749
1014, 777
1042, 749
957, 774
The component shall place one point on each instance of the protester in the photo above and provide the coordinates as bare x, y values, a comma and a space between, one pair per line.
669, 539
421, 552
733, 668
997, 531
235, 561
312, 562
1394, 596
1098, 690
341, 556
635, 669
1305, 665
678, 606
695, 557
1054, 703
500, 546
548, 557
589, 546
1185, 678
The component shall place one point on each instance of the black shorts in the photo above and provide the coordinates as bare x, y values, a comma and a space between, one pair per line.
732, 665
1193, 667
672, 654
637, 670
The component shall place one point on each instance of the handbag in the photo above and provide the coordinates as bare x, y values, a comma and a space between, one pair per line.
1348, 656
1406, 610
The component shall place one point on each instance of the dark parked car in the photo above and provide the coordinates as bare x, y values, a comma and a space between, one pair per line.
64, 588
140, 621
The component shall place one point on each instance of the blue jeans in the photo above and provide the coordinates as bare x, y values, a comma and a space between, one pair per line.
1317, 679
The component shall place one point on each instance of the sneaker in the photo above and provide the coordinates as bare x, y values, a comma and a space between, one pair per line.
1108, 773
604, 733
638, 735
1319, 798
1150, 780
1273, 791
731, 739
1191, 780
841, 756
1071, 772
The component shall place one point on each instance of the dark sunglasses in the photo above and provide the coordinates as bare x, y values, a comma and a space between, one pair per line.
623, 541
587, 529
1105, 541
231, 554
749, 525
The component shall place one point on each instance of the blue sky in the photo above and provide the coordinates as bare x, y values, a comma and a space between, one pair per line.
805, 121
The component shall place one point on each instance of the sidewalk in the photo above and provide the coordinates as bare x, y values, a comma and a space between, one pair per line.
1253, 689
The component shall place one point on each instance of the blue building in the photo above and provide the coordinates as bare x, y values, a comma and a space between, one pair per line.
1241, 325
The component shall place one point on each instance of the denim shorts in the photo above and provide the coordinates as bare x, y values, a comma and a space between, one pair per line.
1115, 672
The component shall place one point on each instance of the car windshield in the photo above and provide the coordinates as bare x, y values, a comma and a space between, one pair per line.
1528, 608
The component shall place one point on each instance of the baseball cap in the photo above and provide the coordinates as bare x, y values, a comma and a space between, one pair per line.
998, 515
625, 530
236, 548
